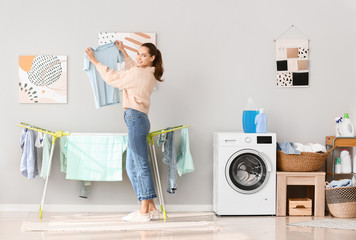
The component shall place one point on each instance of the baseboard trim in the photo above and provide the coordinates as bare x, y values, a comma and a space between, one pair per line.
97, 208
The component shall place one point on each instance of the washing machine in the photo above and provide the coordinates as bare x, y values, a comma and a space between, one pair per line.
244, 173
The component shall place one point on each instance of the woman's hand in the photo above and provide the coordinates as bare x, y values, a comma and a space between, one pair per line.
90, 54
119, 45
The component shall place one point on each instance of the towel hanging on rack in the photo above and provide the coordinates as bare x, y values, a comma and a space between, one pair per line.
184, 158
93, 158
46, 154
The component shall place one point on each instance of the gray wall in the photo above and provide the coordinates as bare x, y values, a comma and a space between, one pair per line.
216, 54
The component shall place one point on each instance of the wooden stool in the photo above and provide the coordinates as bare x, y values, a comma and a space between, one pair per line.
316, 179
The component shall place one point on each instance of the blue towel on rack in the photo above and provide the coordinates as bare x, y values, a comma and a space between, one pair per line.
28, 166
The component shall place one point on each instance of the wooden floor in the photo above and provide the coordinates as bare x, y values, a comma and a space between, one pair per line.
232, 227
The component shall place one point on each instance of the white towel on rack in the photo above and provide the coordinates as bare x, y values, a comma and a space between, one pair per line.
39, 140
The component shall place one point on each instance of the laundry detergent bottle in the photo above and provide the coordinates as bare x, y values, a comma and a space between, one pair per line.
248, 117
261, 122
337, 126
346, 128
345, 161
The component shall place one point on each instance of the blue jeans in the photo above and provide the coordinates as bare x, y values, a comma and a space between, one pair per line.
137, 165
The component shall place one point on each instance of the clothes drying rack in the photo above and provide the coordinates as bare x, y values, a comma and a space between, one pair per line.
150, 139
155, 165
55, 135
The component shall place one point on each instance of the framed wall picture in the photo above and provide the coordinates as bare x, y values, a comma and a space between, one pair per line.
42, 79
292, 62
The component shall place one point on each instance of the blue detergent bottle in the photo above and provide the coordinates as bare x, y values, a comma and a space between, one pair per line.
248, 117
261, 122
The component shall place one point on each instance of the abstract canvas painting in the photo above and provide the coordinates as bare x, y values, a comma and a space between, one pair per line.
292, 58
43, 79
131, 41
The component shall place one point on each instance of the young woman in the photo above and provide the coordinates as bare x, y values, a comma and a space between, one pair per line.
137, 82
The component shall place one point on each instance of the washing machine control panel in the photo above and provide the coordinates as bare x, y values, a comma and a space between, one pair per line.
264, 139
247, 140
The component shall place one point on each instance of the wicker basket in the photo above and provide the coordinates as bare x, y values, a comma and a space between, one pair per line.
341, 201
304, 162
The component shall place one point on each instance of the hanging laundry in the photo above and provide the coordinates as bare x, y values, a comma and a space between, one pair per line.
39, 139
28, 166
184, 158
161, 140
104, 94
63, 154
84, 185
169, 158
94, 158
46, 154
84, 189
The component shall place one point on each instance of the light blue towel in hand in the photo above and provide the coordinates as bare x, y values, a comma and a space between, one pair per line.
287, 148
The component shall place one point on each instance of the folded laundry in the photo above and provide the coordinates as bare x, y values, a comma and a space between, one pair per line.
339, 183
310, 147
296, 148
287, 147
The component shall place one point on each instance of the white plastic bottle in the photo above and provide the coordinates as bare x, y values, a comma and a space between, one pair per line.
354, 164
346, 127
261, 122
353, 180
345, 161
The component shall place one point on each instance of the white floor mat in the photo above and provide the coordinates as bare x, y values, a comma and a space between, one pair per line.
112, 223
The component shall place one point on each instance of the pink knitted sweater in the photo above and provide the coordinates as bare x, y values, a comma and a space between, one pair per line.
137, 84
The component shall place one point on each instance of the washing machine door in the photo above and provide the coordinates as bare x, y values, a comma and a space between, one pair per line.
247, 171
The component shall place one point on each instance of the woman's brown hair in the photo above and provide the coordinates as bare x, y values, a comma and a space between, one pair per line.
157, 62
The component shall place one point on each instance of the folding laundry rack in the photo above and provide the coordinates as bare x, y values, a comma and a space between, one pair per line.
55, 135
150, 139
155, 165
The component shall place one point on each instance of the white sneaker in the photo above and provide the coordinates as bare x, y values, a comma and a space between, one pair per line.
155, 215
137, 217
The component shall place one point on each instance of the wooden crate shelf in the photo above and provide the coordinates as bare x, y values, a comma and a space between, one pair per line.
340, 142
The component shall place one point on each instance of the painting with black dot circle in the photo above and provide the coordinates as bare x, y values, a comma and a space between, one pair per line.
292, 62
42, 79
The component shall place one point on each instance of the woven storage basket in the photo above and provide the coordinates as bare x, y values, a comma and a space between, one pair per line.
305, 162
341, 201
